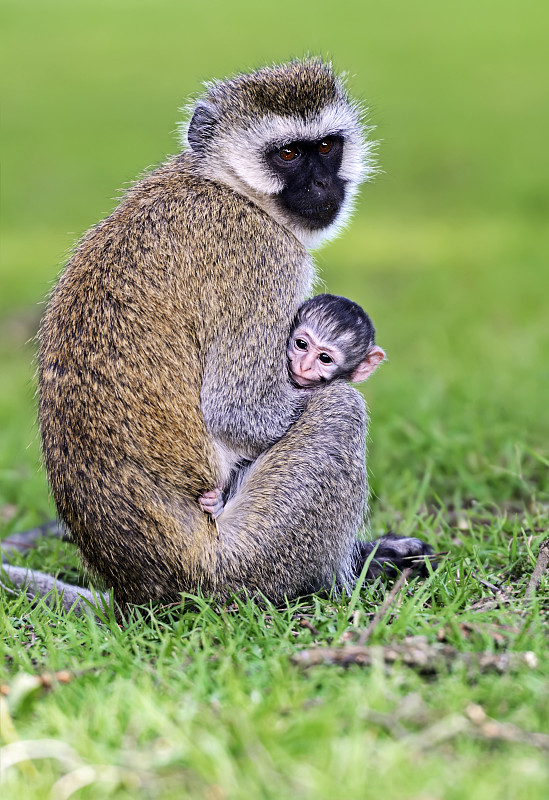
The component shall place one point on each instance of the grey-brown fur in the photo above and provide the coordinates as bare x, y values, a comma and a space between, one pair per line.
153, 385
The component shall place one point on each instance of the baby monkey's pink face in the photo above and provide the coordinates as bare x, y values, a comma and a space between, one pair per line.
312, 358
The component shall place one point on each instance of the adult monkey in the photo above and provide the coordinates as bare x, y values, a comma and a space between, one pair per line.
163, 359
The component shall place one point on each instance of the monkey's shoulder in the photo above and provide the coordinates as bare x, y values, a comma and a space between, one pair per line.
174, 211
173, 229
177, 192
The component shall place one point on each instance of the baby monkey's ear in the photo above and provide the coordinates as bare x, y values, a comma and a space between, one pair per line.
374, 357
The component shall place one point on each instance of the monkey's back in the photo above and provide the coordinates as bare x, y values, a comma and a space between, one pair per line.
123, 346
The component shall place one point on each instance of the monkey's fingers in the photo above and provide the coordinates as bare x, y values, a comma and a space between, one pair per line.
212, 502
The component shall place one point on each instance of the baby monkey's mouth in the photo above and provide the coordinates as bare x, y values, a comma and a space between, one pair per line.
306, 383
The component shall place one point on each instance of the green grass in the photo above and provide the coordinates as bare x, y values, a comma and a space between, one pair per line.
448, 252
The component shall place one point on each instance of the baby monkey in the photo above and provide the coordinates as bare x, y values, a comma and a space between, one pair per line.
331, 337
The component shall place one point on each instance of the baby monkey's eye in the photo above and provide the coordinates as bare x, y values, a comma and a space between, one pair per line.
325, 358
301, 344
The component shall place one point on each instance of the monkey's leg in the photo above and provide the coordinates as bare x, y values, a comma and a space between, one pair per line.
290, 527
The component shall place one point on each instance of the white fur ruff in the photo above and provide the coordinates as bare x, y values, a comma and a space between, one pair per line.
245, 169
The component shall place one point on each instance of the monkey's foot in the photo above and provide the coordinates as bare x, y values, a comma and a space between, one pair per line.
212, 502
393, 554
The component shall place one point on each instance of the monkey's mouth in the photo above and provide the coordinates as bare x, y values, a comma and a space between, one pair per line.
319, 216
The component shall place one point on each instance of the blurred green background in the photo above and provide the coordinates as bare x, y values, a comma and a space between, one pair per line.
448, 249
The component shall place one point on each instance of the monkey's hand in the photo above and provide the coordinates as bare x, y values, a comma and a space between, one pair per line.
212, 502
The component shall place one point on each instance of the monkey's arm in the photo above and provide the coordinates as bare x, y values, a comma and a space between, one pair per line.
247, 399
249, 428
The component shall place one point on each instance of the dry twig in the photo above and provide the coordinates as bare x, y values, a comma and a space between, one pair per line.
305, 623
541, 566
491, 586
487, 728
417, 653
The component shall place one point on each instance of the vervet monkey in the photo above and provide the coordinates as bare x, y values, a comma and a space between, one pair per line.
163, 358
332, 337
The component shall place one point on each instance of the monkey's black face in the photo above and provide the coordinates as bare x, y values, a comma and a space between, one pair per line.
312, 191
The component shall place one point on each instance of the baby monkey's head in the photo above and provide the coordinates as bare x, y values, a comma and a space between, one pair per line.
332, 337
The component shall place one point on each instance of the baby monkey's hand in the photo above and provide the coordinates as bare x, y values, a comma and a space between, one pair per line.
212, 502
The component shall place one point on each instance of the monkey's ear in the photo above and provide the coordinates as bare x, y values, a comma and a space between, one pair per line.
373, 359
202, 126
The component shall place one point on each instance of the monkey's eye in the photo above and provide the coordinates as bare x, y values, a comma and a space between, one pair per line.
288, 153
301, 344
325, 146
325, 358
